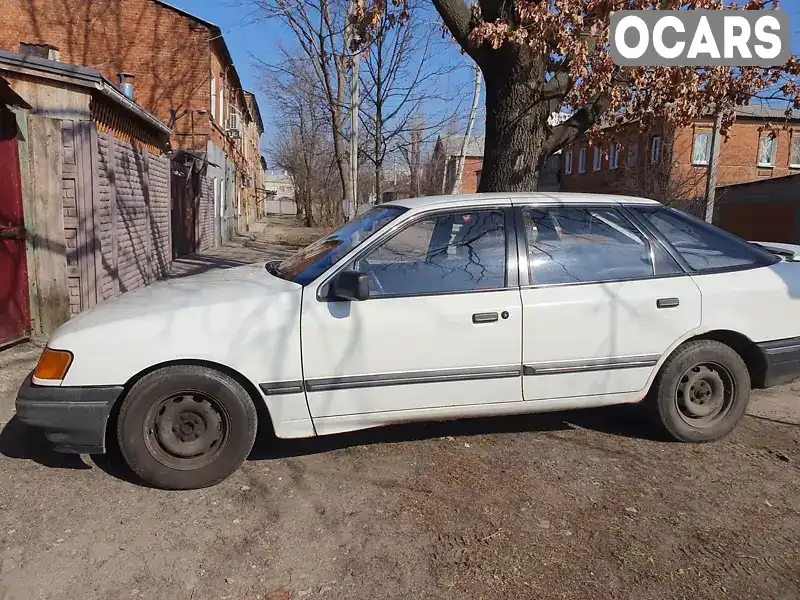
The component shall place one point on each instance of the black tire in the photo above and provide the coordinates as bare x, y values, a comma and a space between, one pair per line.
186, 427
700, 377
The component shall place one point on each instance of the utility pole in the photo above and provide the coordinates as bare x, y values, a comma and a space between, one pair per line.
456, 189
713, 165
354, 111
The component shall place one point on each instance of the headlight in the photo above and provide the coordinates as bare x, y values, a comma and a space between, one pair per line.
53, 365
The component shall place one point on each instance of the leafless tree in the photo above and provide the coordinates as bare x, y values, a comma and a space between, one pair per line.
398, 78
323, 37
667, 180
303, 144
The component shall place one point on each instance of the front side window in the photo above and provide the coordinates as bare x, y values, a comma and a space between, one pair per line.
452, 252
598, 159
568, 162
313, 260
703, 246
702, 149
582, 160
579, 245
767, 151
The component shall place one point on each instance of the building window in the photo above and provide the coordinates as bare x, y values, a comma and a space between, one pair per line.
633, 154
614, 156
568, 162
221, 112
213, 96
582, 158
598, 159
767, 151
655, 149
702, 149
794, 159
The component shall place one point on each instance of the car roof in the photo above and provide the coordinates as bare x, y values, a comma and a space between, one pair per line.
516, 198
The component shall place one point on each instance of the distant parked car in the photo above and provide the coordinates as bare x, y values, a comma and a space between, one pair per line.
426, 309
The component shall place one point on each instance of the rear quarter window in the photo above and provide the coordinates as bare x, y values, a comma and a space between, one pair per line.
705, 248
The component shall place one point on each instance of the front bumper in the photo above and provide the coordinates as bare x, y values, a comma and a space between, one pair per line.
73, 418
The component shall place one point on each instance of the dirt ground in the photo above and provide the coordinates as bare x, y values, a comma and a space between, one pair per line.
560, 506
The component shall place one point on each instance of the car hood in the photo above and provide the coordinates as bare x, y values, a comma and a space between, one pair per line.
186, 294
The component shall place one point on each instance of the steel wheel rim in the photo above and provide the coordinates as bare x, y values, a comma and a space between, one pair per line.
186, 430
705, 394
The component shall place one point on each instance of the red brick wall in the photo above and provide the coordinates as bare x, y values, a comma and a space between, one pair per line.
738, 158
604, 181
471, 177
168, 52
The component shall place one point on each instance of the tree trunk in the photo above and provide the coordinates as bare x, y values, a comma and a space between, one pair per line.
516, 123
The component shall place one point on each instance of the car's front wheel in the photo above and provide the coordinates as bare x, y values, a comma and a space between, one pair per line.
701, 392
186, 427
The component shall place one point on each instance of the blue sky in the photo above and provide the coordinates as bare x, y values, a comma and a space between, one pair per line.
251, 42
247, 40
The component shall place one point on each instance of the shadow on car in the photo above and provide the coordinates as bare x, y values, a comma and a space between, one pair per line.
19, 441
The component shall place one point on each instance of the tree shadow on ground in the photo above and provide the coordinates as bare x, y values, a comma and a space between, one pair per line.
193, 264
19, 441
622, 421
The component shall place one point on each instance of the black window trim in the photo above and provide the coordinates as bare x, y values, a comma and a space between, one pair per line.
656, 236
522, 236
706, 227
512, 257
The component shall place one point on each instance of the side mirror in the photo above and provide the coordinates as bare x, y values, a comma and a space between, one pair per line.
349, 285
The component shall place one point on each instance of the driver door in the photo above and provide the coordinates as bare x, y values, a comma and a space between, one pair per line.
439, 337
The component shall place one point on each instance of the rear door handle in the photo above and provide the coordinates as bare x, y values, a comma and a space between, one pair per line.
488, 317
667, 302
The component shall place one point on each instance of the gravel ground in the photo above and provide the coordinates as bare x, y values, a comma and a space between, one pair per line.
559, 506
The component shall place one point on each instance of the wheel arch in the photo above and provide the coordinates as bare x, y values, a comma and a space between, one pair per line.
751, 354
262, 410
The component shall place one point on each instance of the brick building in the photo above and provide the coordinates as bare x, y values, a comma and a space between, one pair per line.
681, 158
255, 191
181, 70
444, 163
84, 194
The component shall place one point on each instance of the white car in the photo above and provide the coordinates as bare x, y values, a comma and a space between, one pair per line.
428, 309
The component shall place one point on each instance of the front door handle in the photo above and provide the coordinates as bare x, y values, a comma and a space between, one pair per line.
488, 317
667, 302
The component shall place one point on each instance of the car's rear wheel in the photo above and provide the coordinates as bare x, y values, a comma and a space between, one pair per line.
186, 427
701, 392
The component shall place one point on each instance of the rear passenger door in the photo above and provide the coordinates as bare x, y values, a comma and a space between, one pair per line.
601, 302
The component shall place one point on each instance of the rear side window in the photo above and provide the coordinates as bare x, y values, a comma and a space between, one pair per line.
704, 247
580, 245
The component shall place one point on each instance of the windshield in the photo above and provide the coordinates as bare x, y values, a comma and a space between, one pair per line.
313, 260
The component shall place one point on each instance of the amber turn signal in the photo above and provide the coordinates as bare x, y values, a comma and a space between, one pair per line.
53, 364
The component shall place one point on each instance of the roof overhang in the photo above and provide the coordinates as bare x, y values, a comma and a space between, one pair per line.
51, 70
